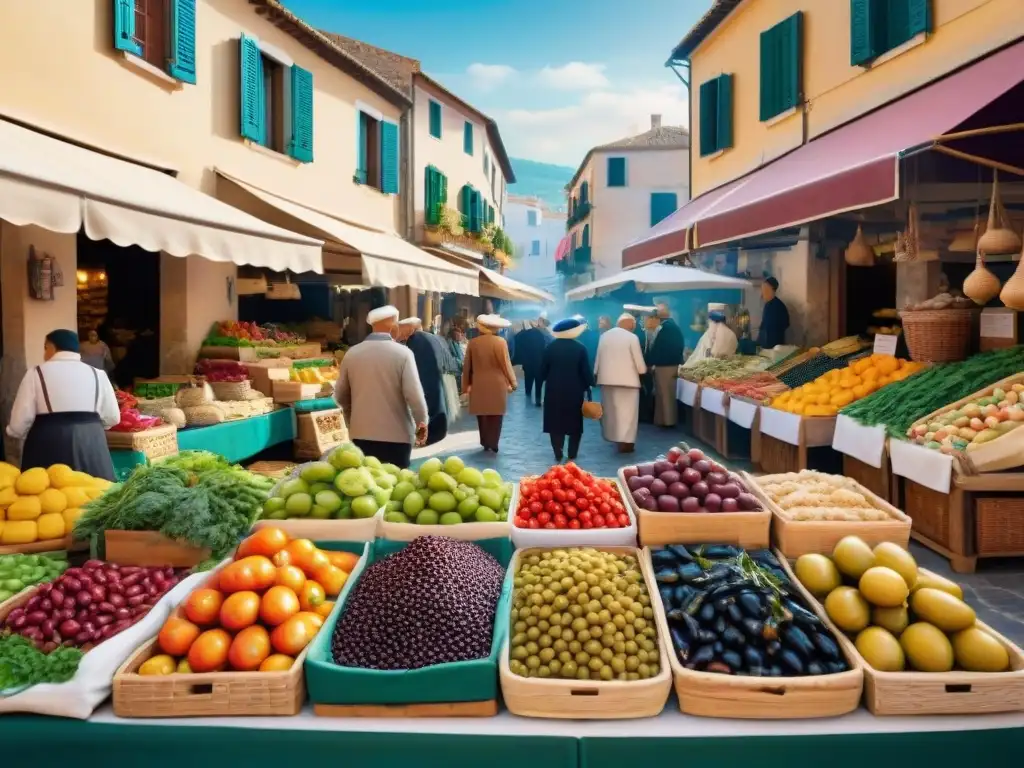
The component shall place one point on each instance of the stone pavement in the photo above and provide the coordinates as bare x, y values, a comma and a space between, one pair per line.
996, 591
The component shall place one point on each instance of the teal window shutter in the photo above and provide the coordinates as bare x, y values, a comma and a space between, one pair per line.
253, 118
723, 113
584, 192
442, 190
535, 247
124, 27
616, 171
663, 205
181, 63
708, 117
864, 21
467, 138
361, 171
435, 119
531, 218
478, 211
430, 197
466, 202
919, 17
301, 145
781, 67
389, 158
490, 214
585, 242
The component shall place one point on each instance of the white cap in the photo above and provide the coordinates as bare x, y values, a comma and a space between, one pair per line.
713, 307
410, 321
493, 321
625, 316
381, 314
640, 309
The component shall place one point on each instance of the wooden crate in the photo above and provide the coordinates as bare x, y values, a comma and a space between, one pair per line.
878, 480
749, 530
708, 694
255, 354
293, 391
318, 432
936, 693
799, 537
155, 443
589, 699
150, 548
706, 428
46, 545
354, 529
784, 440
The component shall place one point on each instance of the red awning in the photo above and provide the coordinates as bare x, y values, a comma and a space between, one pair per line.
562, 251
853, 167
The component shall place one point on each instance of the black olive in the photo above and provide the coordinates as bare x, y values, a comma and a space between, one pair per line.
752, 605
828, 647
703, 655
792, 663
733, 659
796, 639
707, 613
666, 576
734, 612
733, 637
663, 558
815, 668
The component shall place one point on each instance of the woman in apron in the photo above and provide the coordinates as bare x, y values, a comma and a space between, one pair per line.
62, 409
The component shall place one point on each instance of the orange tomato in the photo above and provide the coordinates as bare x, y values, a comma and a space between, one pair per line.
311, 596
314, 619
344, 560
278, 605
249, 649
316, 561
277, 662
296, 552
203, 606
325, 608
177, 635
331, 578
240, 610
291, 576
292, 636
210, 651
254, 573
266, 541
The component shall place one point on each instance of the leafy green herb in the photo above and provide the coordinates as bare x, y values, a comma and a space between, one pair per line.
21, 663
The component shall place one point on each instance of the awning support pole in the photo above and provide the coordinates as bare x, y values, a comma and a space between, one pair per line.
987, 131
979, 160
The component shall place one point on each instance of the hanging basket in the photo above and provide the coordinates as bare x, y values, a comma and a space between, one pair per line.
939, 335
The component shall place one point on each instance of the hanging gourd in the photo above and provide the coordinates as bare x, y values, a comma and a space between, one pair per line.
998, 237
981, 286
1012, 294
858, 252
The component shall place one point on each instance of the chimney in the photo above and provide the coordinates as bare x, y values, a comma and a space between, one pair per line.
655, 122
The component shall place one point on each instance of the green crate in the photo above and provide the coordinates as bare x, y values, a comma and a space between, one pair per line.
461, 681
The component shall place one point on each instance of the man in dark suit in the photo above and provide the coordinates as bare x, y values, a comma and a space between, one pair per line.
530, 344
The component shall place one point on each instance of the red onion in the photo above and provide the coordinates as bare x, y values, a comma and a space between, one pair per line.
71, 584
104, 619
136, 600
83, 598
47, 628
106, 607
35, 618
99, 594
70, 627
133, 590
116, 599
57, 597
33, 603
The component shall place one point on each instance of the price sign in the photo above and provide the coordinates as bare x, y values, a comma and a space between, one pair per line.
885, 344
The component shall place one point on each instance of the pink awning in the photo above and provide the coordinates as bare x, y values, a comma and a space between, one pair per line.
562, 251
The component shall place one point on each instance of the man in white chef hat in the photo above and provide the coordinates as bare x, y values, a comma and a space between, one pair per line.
380, 393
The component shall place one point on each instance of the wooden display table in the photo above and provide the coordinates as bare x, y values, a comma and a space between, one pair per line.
782, 442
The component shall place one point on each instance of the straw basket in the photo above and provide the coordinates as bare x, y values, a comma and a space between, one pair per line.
939, 335
231, 390
154, 443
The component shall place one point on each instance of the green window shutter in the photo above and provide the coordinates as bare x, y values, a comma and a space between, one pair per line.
919, 17
863, 23
781, 66
360, 148
124, 27
466, 201
708, 117
663, 205
769, 74
442, 190
585, 243
253, 117
389, 158
616, 171
584, 192
430, 190
723, 112
435, 119
467, 138
182, 61
490, 214
301, 145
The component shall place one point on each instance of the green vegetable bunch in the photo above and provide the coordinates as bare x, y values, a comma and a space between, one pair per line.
20, 571
22, 664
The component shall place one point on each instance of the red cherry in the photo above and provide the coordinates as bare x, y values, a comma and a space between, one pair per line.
571, 511
544, 517
536, 507
587, 524
521, 522
598, 521
533, 523
574, 524
583, 503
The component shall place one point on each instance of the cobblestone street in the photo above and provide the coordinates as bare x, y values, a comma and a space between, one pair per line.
996, 590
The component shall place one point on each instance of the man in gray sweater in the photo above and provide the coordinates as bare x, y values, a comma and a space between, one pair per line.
379, 391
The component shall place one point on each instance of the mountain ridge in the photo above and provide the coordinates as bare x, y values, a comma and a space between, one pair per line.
542, 180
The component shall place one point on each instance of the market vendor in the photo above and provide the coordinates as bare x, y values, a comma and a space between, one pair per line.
62, 409
663, 358
774, 317
718, 340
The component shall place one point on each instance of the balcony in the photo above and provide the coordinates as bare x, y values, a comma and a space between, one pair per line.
578, 262
577, 213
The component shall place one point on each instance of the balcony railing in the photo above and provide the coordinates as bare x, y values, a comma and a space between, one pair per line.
578, 213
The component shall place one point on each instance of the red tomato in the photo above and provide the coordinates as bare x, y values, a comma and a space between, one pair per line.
533, 523
583, 503
520, 522
574, 524
549, 526
560, 520
556, 484
546, 495
623, 520
559, 494
571, 511
585, 516
544, 485
587, 524
570, 495
536, 508
604, 508
598, 520
544, 518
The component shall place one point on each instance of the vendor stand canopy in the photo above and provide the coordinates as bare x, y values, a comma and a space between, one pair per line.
855, 166
659, 278
64, 188
493, 284
386, 260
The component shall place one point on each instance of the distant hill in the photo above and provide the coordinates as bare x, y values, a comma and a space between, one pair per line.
541, 180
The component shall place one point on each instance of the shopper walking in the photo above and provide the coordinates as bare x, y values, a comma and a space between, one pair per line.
664, 358
96, 353
530, 345
62, 409
380, 393
620, 364
567, 378
487, 377
429, 367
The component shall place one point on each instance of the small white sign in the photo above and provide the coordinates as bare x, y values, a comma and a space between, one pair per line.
885, 344
997, 323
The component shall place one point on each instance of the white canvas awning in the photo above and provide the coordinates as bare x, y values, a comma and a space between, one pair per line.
64, 188
494, 284
387, 260
656, 278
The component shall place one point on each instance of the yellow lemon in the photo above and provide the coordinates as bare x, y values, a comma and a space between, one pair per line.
52, 502
32, 482
51, 526
61, 475
21, 532
80, 479
71, 515
76, 497
94, 493
24, 508
7, 496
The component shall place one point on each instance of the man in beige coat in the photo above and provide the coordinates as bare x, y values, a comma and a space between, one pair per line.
618, 368
488, 377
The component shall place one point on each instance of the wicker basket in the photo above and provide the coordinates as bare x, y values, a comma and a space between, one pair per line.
155, 443
231, 390
939, 335
275, 469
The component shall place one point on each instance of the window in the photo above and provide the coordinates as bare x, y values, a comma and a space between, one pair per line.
585, 242
377, 153
716, 115
535, 248
663, 204
616, 171
276, 102
436, 195
878, 26
161, 32
531, 218
435, 119
585, 186
471, 206
467, 138
781, 48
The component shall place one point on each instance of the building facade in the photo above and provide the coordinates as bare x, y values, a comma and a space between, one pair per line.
618, 192
535, 231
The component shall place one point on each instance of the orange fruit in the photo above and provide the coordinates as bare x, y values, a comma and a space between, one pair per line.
291, 576
292, 636
325, 608
177, 635
266, 541
277, 662
249, 649
315, 620
331, 578
296, 552
278, 605
240, 610
311, 596
210, 651
203, 606
254, 573
344, 560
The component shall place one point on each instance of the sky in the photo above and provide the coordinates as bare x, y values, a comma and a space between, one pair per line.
559, 76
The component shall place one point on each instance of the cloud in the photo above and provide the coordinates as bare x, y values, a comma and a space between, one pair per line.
574, 76
565, 134
489, 76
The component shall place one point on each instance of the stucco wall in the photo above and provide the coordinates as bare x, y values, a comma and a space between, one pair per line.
538, 271
836, 92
